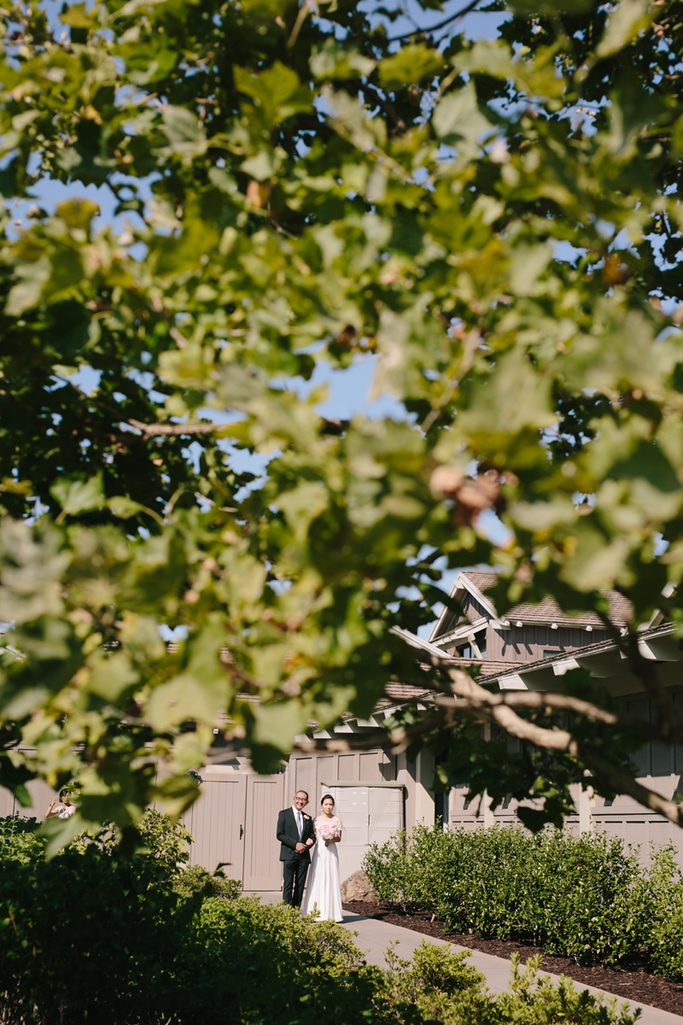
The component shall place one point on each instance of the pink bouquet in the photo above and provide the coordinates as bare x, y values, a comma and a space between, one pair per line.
329, 831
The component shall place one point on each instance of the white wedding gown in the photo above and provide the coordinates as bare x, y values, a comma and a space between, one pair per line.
323, 890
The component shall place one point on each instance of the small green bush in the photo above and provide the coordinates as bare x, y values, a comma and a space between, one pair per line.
273, 966
19, 840
209, 884
93, 936
584, 897
440, 987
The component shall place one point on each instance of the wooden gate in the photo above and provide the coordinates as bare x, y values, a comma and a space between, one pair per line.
262, 870
216, 822
233, 822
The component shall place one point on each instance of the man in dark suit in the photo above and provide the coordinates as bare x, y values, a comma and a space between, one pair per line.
295, 833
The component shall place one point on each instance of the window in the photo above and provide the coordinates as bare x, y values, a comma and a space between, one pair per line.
442, 809
549, 652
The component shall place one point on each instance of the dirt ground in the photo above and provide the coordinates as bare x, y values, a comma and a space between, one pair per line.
630, 981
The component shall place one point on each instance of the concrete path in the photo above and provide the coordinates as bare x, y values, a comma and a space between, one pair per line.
374, 937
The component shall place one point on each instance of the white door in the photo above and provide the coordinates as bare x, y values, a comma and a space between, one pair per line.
385, 813
216, 822
370, 814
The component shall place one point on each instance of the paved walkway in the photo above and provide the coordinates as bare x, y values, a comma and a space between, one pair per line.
374, 937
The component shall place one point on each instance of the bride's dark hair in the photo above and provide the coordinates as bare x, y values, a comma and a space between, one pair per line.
327, 797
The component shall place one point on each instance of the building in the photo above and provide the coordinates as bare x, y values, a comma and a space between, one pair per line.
378, 793
233, 821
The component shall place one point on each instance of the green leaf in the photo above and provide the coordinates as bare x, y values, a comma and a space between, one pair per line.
32, 280
277, 92
76, 496
111, 675
626, 20
78, 213
410, 65
184, 133
123, 507
332, 61
497, 413
457, 119
261, 166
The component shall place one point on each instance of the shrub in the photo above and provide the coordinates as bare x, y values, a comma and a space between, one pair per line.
209, 884
19, 840
92, 936
441, 988
165, 843
585, 897
409, 872
661, 899
273, 967
86, 937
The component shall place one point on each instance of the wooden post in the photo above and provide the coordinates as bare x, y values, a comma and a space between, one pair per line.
489, 818
585, 813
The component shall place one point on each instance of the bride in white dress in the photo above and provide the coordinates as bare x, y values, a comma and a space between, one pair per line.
324, 889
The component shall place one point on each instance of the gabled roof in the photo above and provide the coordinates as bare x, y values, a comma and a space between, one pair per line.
476, 583
480, 580
603, 660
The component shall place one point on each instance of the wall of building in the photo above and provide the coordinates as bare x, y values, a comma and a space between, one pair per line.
660, 769
622, 818
531, 643
233, 822
41, 795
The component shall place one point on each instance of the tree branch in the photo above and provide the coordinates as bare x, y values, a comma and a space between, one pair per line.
330, 426
174, 430
497, 708
537, 700
467, 9
463, 686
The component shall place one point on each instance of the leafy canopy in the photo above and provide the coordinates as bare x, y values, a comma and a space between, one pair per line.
494, 224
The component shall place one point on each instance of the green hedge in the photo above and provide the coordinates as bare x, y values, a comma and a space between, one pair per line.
92, 937
585, 897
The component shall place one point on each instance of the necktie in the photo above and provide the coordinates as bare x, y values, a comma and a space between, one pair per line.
299, 824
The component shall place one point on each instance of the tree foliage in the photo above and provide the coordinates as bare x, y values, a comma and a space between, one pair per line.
494, 224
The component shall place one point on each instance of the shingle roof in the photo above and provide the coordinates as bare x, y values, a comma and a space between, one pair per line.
548, 611
480, 580
405, 691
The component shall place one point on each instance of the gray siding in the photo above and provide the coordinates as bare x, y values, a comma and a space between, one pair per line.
529, 643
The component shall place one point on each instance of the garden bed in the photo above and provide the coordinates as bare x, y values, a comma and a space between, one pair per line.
631, 981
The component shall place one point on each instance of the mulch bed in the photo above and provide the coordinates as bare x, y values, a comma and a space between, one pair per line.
631, 981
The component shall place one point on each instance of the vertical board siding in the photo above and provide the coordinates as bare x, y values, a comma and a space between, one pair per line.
528, 643
369, 767
304, 776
